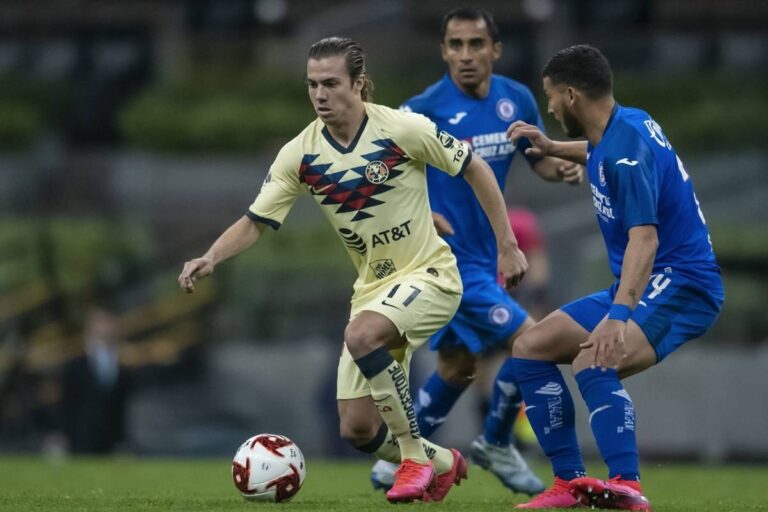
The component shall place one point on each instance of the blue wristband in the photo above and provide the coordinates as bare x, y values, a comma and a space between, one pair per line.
619, 312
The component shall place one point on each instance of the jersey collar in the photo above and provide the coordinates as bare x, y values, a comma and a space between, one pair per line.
447, 78
614, 115
338, 147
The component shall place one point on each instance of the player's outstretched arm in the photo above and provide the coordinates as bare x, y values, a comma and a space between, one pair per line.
238, 237
512, 263
542, 146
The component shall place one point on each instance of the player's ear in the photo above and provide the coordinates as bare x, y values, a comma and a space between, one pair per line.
496, 50
358, 84
570, 95
442, 52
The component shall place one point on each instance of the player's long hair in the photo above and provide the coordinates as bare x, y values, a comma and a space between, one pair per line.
353, 56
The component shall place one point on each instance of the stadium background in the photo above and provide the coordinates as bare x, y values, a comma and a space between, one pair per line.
132, 133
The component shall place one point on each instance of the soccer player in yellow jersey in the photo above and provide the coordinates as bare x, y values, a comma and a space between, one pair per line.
365, 166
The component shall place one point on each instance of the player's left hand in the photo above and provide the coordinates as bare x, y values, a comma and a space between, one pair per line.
541, 145
607, 344
570, 172
512, 265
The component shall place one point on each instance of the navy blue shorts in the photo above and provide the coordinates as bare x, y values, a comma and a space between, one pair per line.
674, 309
486, 318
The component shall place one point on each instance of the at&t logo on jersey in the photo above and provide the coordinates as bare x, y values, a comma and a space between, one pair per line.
393, 234
353, 241
505, 109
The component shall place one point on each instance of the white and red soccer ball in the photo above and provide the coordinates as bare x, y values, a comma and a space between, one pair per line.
268, 467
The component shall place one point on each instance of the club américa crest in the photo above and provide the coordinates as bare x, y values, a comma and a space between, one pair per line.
376, 172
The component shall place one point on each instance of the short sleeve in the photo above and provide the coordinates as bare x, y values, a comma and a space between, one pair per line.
423, 141
280, 189
633, 174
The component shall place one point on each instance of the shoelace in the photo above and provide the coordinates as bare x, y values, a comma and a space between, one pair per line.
408, 471
618, 480
557, 488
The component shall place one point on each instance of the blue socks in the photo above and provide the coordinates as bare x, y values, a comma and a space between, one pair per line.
612, 418
550, 410
505, 404
435, 399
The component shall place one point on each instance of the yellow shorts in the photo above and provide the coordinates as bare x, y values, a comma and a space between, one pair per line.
418, 309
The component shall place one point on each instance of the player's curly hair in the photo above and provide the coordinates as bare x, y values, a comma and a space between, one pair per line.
583, 67
353, 56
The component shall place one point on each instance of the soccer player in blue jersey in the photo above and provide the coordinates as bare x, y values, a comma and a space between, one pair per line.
668, 288
477, 106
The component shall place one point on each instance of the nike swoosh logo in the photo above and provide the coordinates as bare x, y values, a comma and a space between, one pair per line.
316, 190
627, 161
390, 305
529, 407
457, 118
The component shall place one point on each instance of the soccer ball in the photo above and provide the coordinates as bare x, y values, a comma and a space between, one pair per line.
268, 467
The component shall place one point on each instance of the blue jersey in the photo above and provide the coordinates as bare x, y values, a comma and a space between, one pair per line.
637, 179
483, 124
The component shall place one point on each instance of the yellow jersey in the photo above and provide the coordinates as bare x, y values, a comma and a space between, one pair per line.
374, 193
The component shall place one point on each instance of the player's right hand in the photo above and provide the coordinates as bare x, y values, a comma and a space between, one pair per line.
541, 145
570, 172
194, 270
442, 225
512, 265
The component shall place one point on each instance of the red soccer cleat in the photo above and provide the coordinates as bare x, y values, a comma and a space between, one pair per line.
445, 481
614, 493
557, 496
412, 481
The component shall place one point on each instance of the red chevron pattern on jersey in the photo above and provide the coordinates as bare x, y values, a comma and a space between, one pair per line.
356, 194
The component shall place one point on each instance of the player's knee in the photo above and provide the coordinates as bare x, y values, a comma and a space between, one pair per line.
458, 372
357, 432
526, 345
360, 339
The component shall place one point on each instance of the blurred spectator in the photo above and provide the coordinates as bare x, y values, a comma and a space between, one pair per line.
532, 292
94, 388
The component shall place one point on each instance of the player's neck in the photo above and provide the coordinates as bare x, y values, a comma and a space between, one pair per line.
345, 129
479, 91
597, 117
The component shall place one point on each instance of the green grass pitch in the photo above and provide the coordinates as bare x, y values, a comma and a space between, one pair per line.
123, 484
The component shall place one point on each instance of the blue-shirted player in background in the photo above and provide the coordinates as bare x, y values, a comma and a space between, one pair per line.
475, 105
668, 288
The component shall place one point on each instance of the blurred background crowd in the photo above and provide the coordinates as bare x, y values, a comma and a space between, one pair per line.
133, 132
